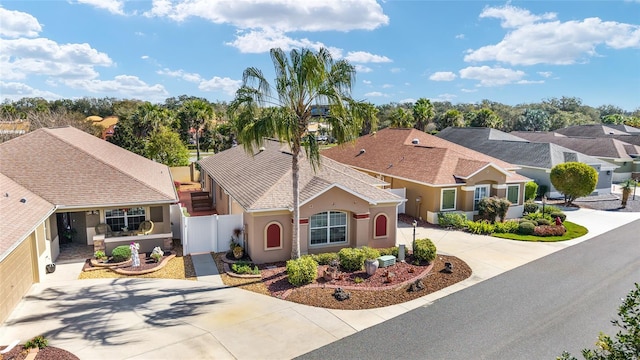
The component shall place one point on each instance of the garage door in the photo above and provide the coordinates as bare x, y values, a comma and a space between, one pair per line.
16, 277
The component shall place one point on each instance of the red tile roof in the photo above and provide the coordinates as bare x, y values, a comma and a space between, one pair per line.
415, 155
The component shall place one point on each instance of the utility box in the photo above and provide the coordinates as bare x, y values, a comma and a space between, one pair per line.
386, 260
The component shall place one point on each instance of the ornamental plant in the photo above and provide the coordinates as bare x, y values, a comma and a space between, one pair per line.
574, 180
121, 253
351, 259
301, 271
425, 250
157, 254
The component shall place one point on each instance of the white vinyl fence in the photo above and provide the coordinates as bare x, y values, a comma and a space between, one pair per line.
402, 192
209, 233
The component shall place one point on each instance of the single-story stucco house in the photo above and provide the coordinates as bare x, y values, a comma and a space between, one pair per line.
438, 175
339, 207
71, 182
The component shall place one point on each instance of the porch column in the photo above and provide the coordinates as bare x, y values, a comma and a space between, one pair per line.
361, 228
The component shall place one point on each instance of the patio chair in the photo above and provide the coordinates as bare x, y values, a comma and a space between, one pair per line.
145, 227
104, 229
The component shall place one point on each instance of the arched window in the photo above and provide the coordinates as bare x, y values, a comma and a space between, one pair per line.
273, 236
380, 224
328, 228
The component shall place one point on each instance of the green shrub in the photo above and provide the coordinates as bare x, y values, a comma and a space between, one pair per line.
121, 253
493, 207
324, 258
351, 259
425, 250
548, 209
530, 207
530, 190
526, 228
509, 226
543, 221
559, 214
542, 190
358, 280
301, 271
99, 254
389, 251
37, 342
537, 216
370, 253
455, 220
244, 267
482, 227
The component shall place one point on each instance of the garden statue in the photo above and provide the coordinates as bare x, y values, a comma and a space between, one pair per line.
135, 258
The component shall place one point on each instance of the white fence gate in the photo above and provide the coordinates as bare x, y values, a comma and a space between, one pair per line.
209, 233
402, 192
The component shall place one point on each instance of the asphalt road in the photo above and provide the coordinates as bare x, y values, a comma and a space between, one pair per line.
559, 302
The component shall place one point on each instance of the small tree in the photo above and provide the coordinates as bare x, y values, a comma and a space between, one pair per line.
493, 207
530, 190
574, 180
165, 147
626, 343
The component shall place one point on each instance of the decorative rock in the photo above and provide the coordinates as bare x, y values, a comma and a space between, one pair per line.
341, 295
416, 286
448, 267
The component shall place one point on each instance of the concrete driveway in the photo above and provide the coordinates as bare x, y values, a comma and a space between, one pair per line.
167, 319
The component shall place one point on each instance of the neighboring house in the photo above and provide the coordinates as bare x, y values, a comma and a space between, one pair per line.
339, 207
625, 156
535, 159
24, 249
107, 125
438, 175
90, 181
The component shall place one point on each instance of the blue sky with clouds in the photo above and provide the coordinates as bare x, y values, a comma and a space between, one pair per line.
460, 51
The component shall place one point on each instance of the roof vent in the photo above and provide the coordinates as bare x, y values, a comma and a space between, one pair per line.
415, 141
362, 151
23, 200
261, 149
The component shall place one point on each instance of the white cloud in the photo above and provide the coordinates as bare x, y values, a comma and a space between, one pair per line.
526, 82
396, 70
489, 76
225, 84
469, 90
18, 24
260, 41
144, 57
545, 74
283, 15
121, 86
190, 77
387, 86
445, 97
139, 33
460, 36
363, 69
15, 91
366, 82
552, 42
40, 56
514, 17
365, 57
442, 76
375, 94
113, 6
407, 101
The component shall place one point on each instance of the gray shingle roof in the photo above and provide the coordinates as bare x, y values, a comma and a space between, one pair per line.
518, 151
18, 219
607, 147
263, 181
70, 168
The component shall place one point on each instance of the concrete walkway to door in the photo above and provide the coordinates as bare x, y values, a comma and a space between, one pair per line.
168, 319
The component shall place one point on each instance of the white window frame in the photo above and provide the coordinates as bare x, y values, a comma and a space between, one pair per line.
126, 216
517, 196
455, 199
477, 198
329, 227
267, 248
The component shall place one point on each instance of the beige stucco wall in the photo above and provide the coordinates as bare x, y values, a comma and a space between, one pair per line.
185, 174
17, 273
359, 230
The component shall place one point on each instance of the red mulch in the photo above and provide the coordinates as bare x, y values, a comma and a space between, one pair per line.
48, 353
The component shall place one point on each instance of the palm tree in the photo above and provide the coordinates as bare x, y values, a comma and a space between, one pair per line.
401, 118
422, 113
196, 113
283, 110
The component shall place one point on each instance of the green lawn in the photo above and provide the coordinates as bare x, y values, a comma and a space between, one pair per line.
573, 231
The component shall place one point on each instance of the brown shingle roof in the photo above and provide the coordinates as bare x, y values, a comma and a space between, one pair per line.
18, 219
263, 181
431, 161
70, 168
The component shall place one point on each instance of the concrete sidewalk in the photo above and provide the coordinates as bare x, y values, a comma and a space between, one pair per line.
166, 319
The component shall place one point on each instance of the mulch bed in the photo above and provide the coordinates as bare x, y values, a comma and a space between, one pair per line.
373, 292
147, 264
48, 353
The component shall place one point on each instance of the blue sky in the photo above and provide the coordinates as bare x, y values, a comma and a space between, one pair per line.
460, 51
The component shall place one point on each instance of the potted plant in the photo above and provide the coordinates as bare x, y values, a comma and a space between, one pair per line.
371, 265
627, 188
68, 234
157, 254
100, 255
234, 244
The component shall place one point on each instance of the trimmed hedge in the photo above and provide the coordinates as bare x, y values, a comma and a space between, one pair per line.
455, 220
509, 226
559, 214
302, 271
425, 250
530, 207
370, 253
351, 259
324, 258
389, 251
526, 228
121, 253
